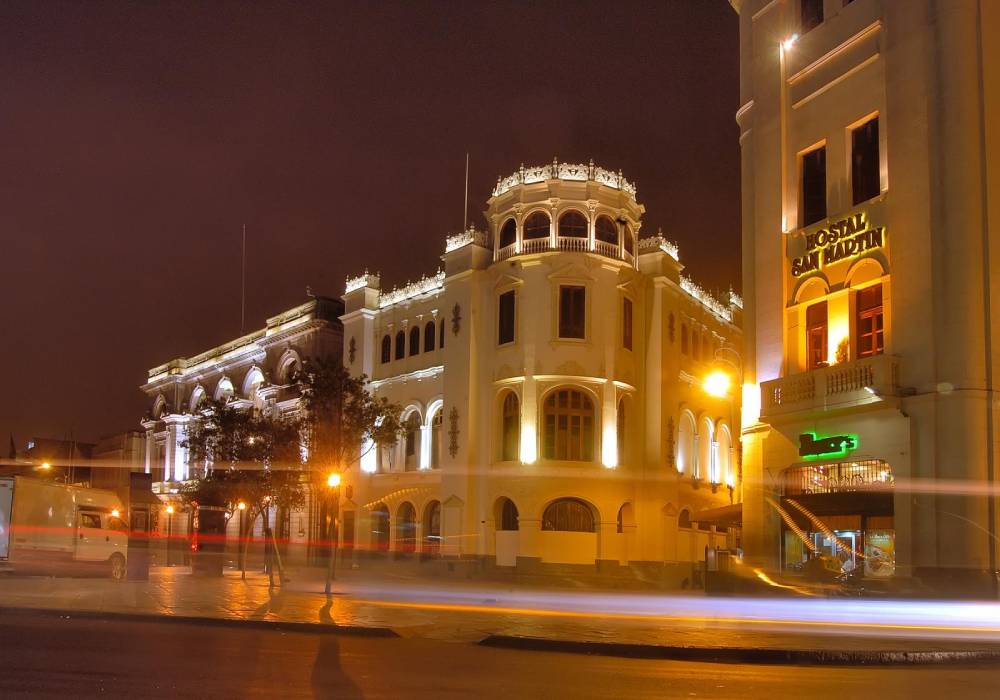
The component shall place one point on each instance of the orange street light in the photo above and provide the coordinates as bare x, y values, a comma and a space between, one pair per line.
241, 505
716, 384
333, 481
45, 465
170, 510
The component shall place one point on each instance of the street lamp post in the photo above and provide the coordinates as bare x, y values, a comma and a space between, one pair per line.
333, 482
170, 523
240, 555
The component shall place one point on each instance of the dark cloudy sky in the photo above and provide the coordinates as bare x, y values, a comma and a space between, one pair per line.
136, 139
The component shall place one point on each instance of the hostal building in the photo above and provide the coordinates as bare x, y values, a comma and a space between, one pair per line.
870, 157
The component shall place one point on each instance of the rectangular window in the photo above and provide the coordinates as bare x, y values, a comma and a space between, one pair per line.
572, 312
813, 191
816, 335
865, 181
505, 314
811, 14
627, 324
870, 322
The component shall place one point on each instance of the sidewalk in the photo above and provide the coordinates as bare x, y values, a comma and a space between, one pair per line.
596, 622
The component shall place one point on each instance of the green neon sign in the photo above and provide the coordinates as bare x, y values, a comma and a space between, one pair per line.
812, 447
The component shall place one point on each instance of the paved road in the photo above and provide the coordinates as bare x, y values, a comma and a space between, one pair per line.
52, 657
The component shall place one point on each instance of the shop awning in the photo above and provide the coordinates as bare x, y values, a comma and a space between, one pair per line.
140, 497
726, 516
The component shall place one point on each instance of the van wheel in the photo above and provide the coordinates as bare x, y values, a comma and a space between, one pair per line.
117, 567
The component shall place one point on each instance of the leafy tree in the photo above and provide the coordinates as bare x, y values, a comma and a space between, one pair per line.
342, 420
250, 458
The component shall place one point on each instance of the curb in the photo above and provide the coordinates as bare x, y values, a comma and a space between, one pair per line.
284, 626
745, 655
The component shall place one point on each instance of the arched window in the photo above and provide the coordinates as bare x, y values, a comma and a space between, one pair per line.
412, 425
406, 527
508, 515
568, 515
536, 226
685, 349
197, 396
386, 349
253, 381
685, 444
288, 368
380, 527
414, 340
224, 390
441, 335
569, 426
429, 336
606, 230
510, 428
620, 431
696, 344
400, 345
629, 243
626, 519
432, 526
684, 519
705, 437
573, 224
724, 458
508, 233
437, 426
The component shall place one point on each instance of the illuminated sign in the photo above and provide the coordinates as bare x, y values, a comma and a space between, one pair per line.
841, 240
834, 446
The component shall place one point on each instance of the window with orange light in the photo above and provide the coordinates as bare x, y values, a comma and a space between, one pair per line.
816, 335
870, 321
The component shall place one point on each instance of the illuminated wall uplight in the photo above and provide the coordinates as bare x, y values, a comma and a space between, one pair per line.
788, 43
609, 447
529, 449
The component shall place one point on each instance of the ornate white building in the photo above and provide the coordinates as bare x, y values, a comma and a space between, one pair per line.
253, 370
551, 382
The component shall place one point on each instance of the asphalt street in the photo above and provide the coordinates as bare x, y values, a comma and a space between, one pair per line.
59, 657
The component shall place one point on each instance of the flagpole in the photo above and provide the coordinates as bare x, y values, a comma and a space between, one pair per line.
465, 213
243, 285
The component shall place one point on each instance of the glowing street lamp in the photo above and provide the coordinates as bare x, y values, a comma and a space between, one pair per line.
716, 384
45, 465
333, 482
170, 527
240, 551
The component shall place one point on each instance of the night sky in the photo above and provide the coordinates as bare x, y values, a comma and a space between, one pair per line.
137, 138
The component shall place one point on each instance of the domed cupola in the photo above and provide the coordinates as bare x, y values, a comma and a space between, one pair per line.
564, 207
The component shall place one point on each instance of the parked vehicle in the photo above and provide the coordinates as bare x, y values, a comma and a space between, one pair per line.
56, 527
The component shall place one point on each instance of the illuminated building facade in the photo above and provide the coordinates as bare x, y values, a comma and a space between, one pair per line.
252, 372
870, 150
550, 377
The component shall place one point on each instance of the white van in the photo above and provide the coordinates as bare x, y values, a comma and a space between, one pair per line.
55, 527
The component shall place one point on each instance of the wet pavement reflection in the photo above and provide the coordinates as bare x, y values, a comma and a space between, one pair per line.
464, 611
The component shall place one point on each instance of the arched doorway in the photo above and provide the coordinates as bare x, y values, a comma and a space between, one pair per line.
507, 535
406, 528
380, 528
569, 532
432, 528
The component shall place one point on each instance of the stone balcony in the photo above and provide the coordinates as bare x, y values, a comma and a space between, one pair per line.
564, 244
843, 385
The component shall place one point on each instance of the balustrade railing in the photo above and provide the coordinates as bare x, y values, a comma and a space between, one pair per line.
847, 383
569, 244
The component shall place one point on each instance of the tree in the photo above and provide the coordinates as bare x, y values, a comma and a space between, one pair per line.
250, 458
342, 420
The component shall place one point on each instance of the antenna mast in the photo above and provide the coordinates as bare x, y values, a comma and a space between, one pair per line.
243, 284
465, 214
